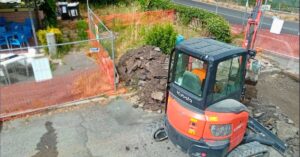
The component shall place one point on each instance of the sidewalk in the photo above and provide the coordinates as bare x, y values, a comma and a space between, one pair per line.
111, 130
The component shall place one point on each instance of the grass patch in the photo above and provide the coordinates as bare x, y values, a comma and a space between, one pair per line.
118, 8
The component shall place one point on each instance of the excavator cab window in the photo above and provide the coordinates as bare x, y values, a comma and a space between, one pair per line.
228, 78
189, 73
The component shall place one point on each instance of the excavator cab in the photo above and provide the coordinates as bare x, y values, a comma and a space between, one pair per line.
204, 85
205, 81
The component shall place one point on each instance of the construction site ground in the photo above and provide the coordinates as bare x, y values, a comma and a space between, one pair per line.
119, 127
279, 86
95, 129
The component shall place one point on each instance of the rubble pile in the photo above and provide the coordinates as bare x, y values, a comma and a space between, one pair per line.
277, 122
146, 68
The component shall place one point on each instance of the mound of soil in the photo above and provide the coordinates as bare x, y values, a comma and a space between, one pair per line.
146, 68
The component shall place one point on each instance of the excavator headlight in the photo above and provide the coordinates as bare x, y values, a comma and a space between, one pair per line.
220, 129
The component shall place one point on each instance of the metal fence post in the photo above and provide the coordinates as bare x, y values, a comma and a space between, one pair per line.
50, 37
245, 13
113, 59
263, 13
88, 11
216, 6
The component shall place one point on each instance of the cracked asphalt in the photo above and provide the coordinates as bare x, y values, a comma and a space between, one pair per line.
94, 130
115, 129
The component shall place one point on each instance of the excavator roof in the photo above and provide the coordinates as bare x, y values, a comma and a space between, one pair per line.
209, 49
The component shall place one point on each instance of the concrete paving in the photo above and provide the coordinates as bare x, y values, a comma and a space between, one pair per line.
93, 130
287, 64
112, 130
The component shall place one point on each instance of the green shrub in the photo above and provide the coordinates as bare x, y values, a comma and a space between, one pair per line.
81, 27
61, 50
162, 36
220, 29
41, 34
154, 4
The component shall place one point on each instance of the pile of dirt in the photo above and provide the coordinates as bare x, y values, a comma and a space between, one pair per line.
146, 69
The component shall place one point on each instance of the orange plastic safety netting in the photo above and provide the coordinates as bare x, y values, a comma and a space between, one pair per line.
149, 17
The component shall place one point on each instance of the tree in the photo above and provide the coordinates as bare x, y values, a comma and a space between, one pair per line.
49, 9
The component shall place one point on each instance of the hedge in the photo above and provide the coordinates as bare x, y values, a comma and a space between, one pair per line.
216, 25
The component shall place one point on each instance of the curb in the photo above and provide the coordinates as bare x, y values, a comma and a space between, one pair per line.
8, 116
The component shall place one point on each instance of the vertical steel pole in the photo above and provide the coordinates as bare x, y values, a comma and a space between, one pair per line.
245, 13
113, 59
88, 11
262, 18
32, 24
216, 6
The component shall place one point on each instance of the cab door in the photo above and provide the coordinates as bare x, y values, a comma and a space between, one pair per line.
228, 79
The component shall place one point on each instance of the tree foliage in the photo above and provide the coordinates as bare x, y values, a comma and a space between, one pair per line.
49, 9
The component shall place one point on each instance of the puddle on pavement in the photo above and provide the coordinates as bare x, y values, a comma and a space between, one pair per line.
47, 144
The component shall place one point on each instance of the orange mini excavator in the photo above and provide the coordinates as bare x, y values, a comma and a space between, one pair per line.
203, 114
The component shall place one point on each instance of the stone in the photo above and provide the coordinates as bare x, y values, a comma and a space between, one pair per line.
57, 61
157, 49
154, 55
157, 72
289, 121
148, 110
159, 111
135, 99
133, 68
141, 105
161, 87
147, 66
139, 63
163, 81
257, 115
286, 131
157, 96
135, 106
141, 83
143, 77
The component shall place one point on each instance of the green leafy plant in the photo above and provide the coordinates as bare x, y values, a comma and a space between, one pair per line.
162, 36
154, 4
81, 27
49, 9
187, 14
219, 29
42, 35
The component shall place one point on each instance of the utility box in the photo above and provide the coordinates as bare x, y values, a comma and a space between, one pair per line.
63, 10
50, 37
73, 10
